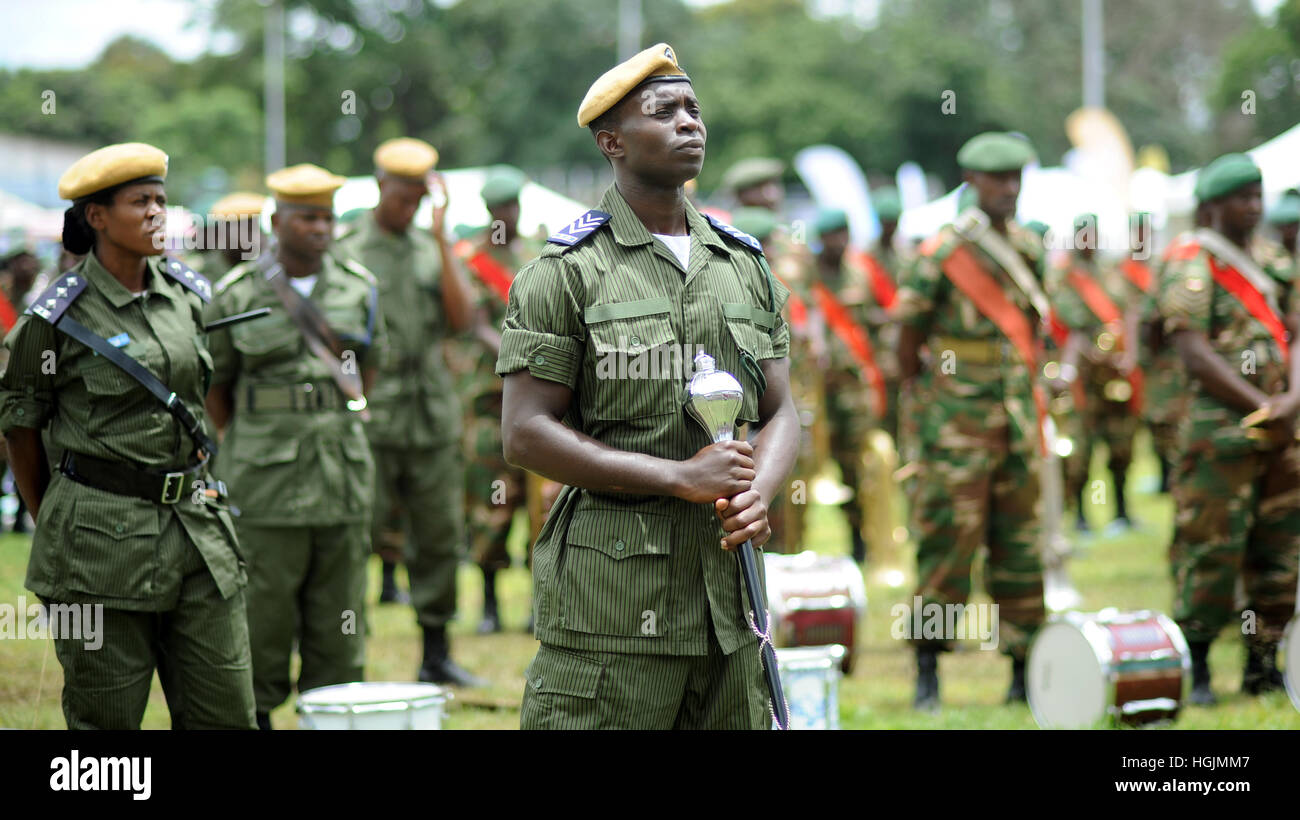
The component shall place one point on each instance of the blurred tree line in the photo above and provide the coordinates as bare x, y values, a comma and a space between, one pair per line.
500, 81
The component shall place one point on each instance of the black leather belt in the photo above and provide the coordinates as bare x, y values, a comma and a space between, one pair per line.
116, 477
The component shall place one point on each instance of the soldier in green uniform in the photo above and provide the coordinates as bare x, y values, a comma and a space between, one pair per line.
974, 299
853, 372
287, 393
1228, 306
415, 422
1092, 298
640, 610
131, 520
493, 489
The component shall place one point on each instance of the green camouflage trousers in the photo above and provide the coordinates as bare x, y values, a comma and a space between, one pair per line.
493, 491
571, 689
978, 486
1101, 422
1237, 521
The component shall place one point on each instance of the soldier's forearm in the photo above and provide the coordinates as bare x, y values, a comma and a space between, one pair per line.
455, 290
30, 467
1216, 375
544, 445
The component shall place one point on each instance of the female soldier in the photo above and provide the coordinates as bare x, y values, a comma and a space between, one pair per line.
129, 529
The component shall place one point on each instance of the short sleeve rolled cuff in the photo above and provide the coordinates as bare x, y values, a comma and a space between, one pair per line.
26, 389
544, 355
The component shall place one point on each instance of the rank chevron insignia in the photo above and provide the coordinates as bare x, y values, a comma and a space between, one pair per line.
735, 233
580, 228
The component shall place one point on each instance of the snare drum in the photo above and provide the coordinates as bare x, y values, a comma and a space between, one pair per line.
373, 705
810, 678
815, 600
1084, 668
1291, 660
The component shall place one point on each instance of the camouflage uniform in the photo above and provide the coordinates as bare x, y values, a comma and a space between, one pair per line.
1165, 386
978, 439
489, 507
1237, 494
794, 266
1101, 412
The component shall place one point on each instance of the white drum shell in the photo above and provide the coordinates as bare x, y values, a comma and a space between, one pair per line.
1291, 660
373, 705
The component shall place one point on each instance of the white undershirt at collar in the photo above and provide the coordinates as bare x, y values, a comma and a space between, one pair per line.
679, 245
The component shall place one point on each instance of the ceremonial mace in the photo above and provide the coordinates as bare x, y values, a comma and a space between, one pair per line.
713, 399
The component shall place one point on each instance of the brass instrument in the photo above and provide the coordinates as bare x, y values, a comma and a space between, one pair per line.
886, 531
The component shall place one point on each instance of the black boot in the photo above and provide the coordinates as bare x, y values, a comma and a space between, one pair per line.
927, 680
389, 593
859, 548
491, 619
264, 721
1261, 673
1016, 693
1120, 474
1165, 468
1201, 695
438, 667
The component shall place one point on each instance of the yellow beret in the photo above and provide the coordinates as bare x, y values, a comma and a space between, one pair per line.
304, 184
109, 166
233, 206
657, 63
406, 157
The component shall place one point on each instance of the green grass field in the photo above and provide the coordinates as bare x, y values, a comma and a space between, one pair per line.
1128, 572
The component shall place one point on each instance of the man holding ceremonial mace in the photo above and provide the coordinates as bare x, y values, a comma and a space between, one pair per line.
640, 607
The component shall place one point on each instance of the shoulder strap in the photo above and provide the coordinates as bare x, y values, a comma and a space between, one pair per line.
1094, 296
1138, 273
857, 341
973, 225
1235, 257
58, 297
1241, 287
964, 271
187, 276
494, 275
579, 229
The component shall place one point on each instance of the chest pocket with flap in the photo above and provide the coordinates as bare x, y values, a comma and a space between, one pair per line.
636, 368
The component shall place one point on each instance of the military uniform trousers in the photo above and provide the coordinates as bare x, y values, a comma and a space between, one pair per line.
1101, 421
419, 499
1237, 518
197, 641
305, 583
580, 689
493, 489
980, 490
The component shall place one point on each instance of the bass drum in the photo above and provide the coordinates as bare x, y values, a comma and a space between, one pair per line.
1291, 659
1115, 667
373, 705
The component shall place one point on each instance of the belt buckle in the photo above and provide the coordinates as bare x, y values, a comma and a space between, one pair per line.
170, 496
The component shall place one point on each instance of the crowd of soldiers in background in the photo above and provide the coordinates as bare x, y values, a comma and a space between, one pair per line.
845, 373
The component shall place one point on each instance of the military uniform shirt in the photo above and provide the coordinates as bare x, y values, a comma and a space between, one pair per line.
607, 317
413, 403
1190, 299
83, 403
286, 467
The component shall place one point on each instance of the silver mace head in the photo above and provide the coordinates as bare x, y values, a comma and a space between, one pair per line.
713, 398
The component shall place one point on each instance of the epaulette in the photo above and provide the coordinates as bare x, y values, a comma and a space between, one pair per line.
59, 296
188, 277
357, 269
579, 229
736, 234
233, 275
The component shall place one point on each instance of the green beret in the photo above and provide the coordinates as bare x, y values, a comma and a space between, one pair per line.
1225, 175
1286, 212
830, 220
1084, 220
502, 184
995, 151
757, 222
1040, 228
750, 172
887, 204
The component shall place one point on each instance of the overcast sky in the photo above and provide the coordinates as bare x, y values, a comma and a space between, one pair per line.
71, 33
